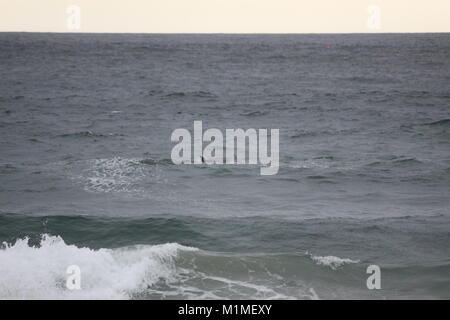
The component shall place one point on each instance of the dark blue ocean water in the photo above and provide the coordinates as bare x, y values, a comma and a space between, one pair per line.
86, 176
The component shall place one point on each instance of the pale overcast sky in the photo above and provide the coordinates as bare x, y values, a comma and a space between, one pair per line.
225, 16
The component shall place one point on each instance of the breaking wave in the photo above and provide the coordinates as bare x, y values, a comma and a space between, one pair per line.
332, 261
159, 271
29, 272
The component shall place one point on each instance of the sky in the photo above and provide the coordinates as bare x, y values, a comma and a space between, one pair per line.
225, 16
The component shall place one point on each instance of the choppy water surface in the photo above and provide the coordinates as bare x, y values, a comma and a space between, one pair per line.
86, 176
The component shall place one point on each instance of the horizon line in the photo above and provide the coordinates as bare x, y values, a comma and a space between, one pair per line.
232, 33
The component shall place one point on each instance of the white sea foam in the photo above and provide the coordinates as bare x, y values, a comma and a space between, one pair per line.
332, 261
116, 174
28, 272
309, 164
151, 272
125, 175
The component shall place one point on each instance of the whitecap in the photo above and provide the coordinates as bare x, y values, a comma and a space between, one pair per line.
28, 272
332, 261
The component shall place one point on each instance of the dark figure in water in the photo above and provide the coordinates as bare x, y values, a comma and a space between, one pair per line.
203, 159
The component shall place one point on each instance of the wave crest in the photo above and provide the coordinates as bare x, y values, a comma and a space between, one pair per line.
37, 272
332, 261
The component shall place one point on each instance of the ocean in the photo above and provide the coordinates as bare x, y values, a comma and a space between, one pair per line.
87, 179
